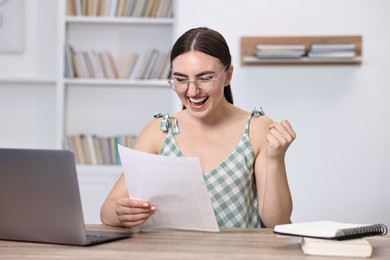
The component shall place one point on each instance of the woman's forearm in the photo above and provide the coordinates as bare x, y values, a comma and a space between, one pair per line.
277, 201
108, 214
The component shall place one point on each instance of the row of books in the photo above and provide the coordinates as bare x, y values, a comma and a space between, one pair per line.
92, 149
153, 64
120, 8
299, 51
280, 51
332, 51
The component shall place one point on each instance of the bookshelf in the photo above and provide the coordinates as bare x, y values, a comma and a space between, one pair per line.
108, 106
248, 47
119, 34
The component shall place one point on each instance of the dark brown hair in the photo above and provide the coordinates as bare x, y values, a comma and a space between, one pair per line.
209, 42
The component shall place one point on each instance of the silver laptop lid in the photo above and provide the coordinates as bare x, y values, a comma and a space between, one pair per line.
39, 197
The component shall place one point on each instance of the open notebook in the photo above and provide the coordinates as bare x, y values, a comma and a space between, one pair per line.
40, 199
331, 230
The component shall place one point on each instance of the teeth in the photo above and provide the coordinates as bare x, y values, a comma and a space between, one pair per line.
197, 100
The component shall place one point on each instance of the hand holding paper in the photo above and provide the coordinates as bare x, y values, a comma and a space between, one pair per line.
175, 185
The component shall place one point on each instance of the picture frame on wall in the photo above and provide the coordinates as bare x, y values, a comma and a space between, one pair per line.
12, 26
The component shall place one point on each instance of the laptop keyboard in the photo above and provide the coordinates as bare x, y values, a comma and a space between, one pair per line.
96, 238
93, 237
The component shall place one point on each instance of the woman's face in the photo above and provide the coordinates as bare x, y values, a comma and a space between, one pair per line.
207, 78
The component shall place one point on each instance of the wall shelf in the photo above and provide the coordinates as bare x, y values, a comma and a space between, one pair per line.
119, 20
117, 82
28, 80
248, 47
99, 169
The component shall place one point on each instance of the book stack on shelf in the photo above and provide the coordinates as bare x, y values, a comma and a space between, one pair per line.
301, 50
120, 8
92, 149
332, 51
329, 238
280, 51
154, 64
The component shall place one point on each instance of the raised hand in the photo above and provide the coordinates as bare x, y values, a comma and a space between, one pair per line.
279, 138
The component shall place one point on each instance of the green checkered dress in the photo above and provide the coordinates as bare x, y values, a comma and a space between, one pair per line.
231, 185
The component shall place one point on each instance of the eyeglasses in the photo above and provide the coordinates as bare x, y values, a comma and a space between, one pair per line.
206, 83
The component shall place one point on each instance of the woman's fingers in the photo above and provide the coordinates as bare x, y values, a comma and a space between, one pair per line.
280, 136
283, 131
132, 213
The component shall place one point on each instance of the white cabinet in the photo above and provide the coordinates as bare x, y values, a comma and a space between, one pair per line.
95, 184
28, 79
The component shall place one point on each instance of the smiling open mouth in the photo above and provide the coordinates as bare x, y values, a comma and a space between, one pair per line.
198, 101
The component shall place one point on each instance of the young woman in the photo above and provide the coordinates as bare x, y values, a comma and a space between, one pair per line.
241, 153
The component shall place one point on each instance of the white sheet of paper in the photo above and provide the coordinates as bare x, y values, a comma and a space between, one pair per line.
175, 185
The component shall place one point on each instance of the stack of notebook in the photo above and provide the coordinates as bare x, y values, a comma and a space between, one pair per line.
333, 238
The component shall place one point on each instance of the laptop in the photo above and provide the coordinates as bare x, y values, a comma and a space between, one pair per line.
40, 199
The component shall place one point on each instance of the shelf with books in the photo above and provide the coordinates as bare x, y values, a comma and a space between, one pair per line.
98, 150
301, 50
126, 55
120, 62
120, 8
151, 63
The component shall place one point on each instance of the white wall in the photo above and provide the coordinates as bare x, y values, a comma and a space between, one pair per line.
338, 165
27, 81
38, 58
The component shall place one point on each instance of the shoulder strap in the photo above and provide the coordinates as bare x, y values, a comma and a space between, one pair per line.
168, 123
257, 111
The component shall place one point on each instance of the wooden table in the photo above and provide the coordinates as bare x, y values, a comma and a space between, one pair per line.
171, 244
